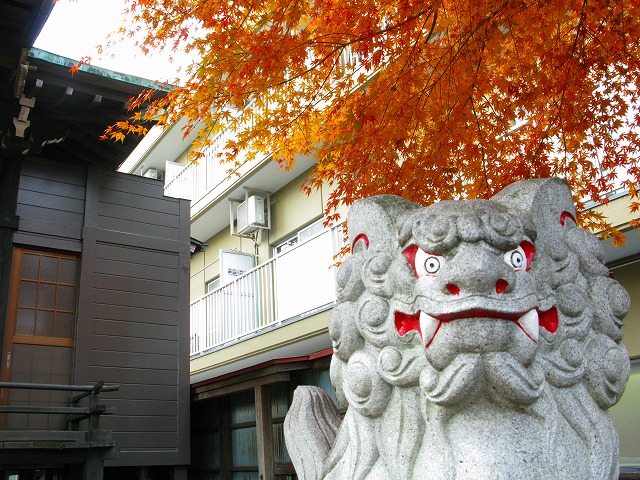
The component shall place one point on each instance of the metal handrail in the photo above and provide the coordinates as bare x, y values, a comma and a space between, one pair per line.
98, 387
76, 412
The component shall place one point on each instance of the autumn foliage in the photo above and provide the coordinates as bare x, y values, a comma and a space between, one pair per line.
425, 99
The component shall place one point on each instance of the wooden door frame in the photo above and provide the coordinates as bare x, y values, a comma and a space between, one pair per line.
9, 330
12, 310
10, 321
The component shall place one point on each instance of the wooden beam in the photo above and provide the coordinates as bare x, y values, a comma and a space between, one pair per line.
10, 165
226, 441
35, 90
97, 100
89, 84
264, 430
252, 375
237, 387
108, 115
68, 91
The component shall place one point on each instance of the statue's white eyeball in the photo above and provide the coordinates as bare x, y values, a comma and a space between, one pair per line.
516, 258
428, 264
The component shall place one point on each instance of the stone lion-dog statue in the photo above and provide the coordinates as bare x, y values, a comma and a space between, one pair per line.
473, 340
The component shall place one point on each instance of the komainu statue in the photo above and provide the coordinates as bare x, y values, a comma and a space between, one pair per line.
472, 340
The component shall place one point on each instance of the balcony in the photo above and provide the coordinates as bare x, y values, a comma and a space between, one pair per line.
196, 180
295, 284
208, 185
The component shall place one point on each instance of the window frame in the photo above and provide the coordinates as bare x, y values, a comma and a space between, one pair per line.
300, 236
14, 299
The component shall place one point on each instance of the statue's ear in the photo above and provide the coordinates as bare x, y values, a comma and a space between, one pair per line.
547, 200
373, 221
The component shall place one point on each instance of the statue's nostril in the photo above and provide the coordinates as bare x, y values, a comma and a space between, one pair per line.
501, 285
453, 289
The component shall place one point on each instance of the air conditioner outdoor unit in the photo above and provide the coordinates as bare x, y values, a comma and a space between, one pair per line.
151, 173
251, 215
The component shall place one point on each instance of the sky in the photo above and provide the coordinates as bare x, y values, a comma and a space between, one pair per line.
76, 27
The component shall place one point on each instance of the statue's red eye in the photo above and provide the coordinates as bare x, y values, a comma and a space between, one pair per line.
529, 252
424, 264
428, 263
520, 258
516, 258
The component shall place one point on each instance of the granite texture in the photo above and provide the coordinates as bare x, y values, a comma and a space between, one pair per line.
473, 339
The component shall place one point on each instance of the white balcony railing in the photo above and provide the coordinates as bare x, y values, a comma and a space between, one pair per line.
196, 180
291, 285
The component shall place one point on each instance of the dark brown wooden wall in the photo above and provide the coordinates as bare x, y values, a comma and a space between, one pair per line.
51, 203
133, 312
39, 364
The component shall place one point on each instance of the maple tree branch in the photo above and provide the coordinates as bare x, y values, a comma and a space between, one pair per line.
463, 41
379, 32
289, 23
482, 150
393, 85
560, 104
579, 27
441, 106
310, 103
467, 38
427, 39
340, 46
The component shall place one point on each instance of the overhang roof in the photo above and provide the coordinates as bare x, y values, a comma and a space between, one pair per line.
20, 24
70, 111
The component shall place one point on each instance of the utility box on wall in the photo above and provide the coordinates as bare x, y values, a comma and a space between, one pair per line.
234, 264
250, 215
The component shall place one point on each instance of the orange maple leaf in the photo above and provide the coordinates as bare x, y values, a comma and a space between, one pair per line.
429, 100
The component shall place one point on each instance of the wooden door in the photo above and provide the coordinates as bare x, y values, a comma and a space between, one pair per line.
40, 330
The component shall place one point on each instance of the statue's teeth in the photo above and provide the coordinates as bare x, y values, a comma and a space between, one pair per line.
428, 327
529, 324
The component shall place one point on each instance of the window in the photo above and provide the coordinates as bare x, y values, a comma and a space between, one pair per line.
213, 284
47, 285
299, 237
227, 436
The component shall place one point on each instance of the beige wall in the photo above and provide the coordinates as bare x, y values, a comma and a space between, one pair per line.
183, 157
197, 279
206, 265
616, 211
293, 209
626, 416
311, 327
629, 277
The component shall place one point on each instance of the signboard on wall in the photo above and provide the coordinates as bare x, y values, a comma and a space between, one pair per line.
233, 264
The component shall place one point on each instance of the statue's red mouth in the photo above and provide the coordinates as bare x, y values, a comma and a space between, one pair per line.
428, 326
